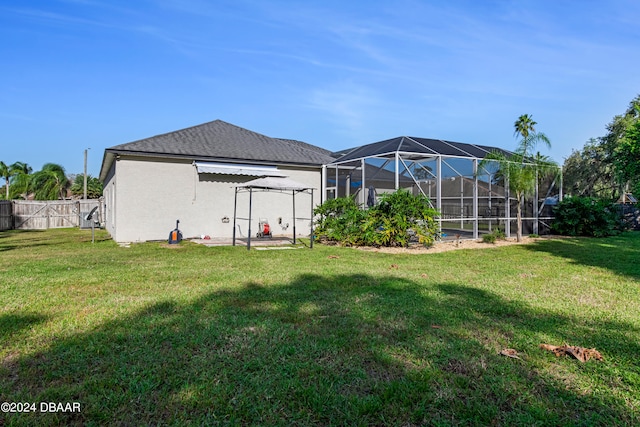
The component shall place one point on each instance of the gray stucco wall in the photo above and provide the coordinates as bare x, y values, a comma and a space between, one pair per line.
108, 193
146, 196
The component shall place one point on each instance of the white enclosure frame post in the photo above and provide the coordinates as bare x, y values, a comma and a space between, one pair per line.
293, 197
323, 185
475, 198
364, 188
439, 191
235, 210
536, 213
461, 202
397, 183
507, 207
561, 195
491, 207
312, 237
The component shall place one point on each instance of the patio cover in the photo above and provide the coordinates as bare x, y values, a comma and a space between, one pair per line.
275, 183
236, 169
281, 184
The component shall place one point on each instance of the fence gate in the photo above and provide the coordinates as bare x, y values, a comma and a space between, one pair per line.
41, 215
6, 216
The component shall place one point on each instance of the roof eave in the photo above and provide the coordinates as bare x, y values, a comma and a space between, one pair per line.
107, 161
111, 154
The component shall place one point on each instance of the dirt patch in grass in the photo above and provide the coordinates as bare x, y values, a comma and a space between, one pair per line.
452, 246
171, 246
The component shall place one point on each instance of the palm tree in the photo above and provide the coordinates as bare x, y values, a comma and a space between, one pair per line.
6, 174
20, 177
21, 167
94, 187
521, 169
524, 125
50, 183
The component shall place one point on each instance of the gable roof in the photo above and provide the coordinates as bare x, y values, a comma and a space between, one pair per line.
219, 140
424, 146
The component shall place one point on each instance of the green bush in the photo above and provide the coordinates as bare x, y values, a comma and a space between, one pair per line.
496, 234
489, 238
339, 220
394, 221
399, 216
587, 216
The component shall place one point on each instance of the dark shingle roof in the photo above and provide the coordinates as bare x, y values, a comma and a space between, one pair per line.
222, 140
416, 145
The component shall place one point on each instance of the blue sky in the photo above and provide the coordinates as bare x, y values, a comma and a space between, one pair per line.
80, 74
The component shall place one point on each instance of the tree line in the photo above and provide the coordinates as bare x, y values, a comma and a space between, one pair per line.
608, 166
49, 183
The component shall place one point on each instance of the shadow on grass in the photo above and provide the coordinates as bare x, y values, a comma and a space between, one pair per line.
11, 324
620, 254
30, 239
9, 244
10, 233
342, 350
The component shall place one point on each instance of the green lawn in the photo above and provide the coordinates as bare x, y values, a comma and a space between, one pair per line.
331, 336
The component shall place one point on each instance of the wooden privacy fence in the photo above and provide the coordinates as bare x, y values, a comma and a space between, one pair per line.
44, 214
6, 218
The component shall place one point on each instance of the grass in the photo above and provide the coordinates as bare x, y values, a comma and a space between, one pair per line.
187, 334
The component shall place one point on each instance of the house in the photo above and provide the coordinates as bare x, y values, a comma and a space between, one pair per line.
191, 174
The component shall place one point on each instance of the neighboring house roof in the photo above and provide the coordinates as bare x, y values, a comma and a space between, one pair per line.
220, 140
424, 146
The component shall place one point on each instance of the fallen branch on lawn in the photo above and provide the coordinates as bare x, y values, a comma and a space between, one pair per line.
580, 353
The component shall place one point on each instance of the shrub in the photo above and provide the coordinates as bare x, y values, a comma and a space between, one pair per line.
496, 234
489, 238
394, 221
397, 218
587, 216
339, 221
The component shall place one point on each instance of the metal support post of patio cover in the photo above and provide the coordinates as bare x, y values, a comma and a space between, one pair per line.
271, 184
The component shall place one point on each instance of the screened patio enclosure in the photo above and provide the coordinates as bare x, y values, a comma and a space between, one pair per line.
471, 197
